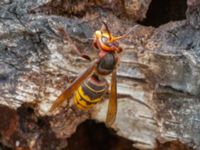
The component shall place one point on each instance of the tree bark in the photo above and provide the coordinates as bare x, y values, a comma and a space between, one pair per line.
158, 77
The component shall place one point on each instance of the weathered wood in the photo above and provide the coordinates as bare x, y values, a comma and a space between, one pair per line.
158, 76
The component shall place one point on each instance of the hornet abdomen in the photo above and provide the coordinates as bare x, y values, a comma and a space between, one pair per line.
90, 92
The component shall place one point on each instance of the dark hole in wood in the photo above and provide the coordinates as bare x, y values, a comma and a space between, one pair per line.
91, 135
30, 110
163, 11
3, 147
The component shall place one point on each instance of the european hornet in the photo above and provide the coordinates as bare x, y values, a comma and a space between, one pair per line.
90, 87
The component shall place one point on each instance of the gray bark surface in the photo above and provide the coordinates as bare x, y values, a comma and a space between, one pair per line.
158, 76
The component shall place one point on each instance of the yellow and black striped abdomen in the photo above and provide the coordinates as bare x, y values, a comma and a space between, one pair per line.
90, 93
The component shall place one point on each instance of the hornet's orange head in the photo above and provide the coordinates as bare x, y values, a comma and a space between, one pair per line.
105, 41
